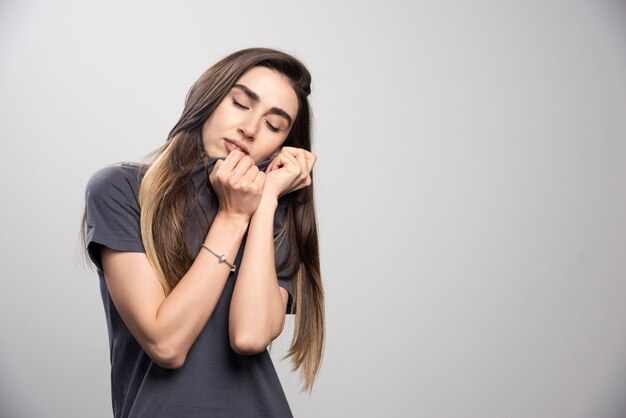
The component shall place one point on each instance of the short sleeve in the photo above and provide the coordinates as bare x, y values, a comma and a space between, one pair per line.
281, 256
112, 212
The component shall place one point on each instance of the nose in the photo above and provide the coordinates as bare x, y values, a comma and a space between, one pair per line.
248, 127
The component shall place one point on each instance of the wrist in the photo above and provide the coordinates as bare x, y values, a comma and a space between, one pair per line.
268, 200
236, 220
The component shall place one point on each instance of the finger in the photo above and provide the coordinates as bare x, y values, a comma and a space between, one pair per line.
274, 164
271, 165
259, 180
301, 157
287, 160
311, 158
308, 156
244, 163
250, 175
277, 162
303, 172
213, 174
231, 161
291, 150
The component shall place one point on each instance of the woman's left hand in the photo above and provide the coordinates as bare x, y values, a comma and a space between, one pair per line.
290, 170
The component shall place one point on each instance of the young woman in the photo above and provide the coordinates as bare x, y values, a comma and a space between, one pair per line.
202, 252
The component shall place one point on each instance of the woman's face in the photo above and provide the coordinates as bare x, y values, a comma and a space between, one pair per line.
256, 114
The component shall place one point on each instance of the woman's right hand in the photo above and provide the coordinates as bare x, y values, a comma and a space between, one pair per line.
238, 183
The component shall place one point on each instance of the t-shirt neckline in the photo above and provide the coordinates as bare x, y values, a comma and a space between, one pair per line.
211, 160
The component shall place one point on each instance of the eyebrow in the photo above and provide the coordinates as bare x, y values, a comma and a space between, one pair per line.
255, 98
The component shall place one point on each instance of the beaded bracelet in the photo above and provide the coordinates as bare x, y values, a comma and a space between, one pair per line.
221, 258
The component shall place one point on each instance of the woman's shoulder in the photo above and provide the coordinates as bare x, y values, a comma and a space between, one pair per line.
123, 177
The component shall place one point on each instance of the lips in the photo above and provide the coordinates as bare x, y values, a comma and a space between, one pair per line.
232, 144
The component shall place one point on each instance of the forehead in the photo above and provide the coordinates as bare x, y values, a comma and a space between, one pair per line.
272, 87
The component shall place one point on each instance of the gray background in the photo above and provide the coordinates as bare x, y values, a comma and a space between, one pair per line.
470, 190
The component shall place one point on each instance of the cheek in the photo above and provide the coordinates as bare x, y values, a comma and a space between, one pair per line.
264, 146
275, 146
206, 127
221, 115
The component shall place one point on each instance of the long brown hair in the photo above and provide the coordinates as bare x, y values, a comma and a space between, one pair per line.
167, 188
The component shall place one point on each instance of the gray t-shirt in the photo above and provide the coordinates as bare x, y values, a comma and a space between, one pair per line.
214, 381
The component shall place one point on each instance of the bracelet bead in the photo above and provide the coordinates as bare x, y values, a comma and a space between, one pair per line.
221, 258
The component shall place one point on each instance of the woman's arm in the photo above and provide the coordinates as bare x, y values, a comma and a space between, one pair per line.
258, 304
166, 327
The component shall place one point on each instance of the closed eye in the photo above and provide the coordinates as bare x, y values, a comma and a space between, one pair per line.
272, 127
239, 105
